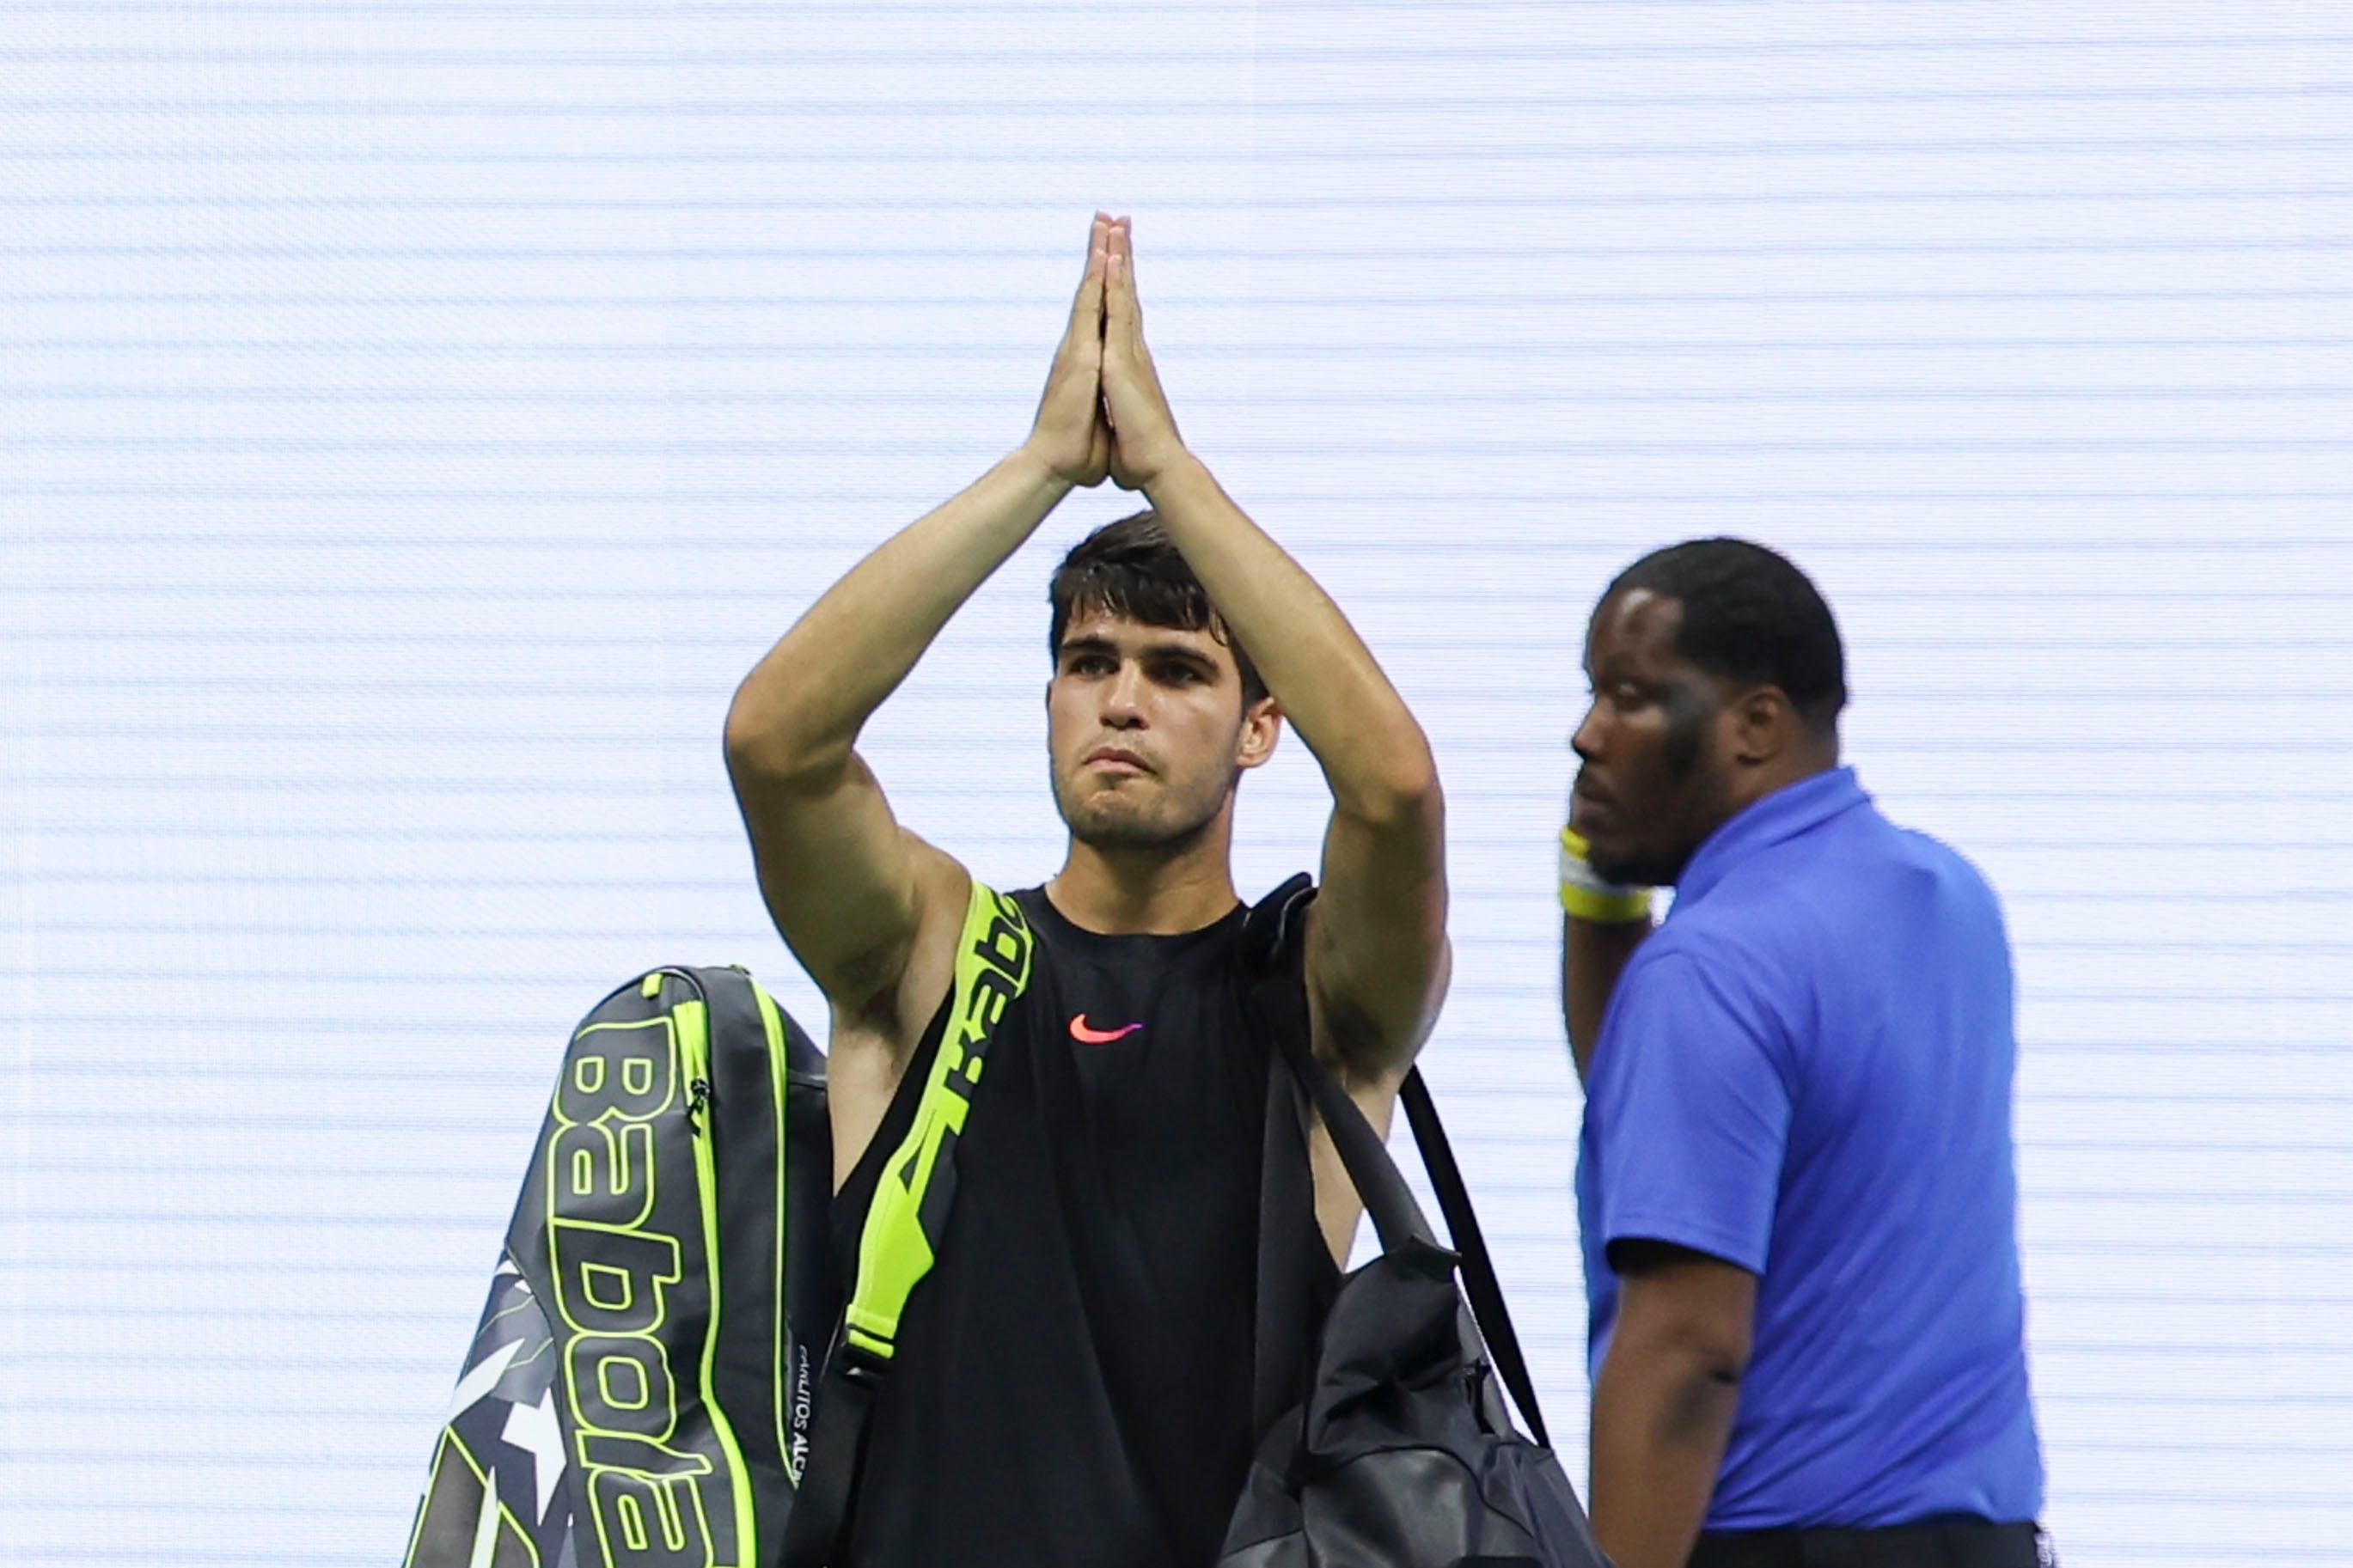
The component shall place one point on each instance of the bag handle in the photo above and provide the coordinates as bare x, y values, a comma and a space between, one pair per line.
1275, 955
1479, 1281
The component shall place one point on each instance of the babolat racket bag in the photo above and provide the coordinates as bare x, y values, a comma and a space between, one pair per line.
639, 1392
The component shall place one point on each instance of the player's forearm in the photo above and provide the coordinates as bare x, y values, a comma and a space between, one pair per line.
800, 710
1662, 1415
1593, 954
1373, 753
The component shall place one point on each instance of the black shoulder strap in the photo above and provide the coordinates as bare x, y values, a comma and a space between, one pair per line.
1294, 1280
1295, 1273
1275, 955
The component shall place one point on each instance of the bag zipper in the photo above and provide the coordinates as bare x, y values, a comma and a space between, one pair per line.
772, 1023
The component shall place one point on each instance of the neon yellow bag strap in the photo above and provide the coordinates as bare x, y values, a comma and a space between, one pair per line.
903, 1223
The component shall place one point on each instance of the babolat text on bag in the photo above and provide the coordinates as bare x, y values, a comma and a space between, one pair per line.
637, 1393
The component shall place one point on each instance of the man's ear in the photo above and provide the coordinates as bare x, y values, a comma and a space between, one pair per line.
1765, 724
1262, 727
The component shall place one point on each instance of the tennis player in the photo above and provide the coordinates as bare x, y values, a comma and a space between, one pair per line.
1072, 1381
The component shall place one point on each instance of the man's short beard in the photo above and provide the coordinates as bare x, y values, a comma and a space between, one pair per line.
1684, 747
1117, 831
1126, 833
1687, 716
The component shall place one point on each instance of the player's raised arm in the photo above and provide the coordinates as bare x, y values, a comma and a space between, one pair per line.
849, 887
1376, 952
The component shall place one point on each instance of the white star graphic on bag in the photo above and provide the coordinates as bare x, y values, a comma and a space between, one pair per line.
533, 1429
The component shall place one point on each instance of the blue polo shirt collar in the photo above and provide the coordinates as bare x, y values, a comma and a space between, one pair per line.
1786, 813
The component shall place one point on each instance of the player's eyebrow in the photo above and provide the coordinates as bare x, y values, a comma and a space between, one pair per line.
1184, 652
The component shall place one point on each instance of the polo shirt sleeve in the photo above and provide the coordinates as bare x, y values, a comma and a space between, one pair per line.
1690, 1113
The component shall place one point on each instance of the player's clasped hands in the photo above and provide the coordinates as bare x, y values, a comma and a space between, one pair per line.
1103, 412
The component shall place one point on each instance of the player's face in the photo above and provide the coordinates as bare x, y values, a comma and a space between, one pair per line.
1147, 730
1652, 784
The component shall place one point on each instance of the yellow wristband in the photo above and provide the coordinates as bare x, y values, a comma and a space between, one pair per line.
1586, 895
1606, 909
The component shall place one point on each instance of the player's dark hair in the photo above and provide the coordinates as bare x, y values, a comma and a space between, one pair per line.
1132, 569
1750, 615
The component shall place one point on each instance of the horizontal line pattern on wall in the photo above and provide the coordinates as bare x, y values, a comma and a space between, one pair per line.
416, 418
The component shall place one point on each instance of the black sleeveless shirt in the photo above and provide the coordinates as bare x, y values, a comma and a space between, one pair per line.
1072, 1386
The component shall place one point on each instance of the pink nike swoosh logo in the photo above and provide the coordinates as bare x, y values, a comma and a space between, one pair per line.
1079, 1031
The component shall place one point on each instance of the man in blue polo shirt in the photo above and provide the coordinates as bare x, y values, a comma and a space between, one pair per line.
1797, 1185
